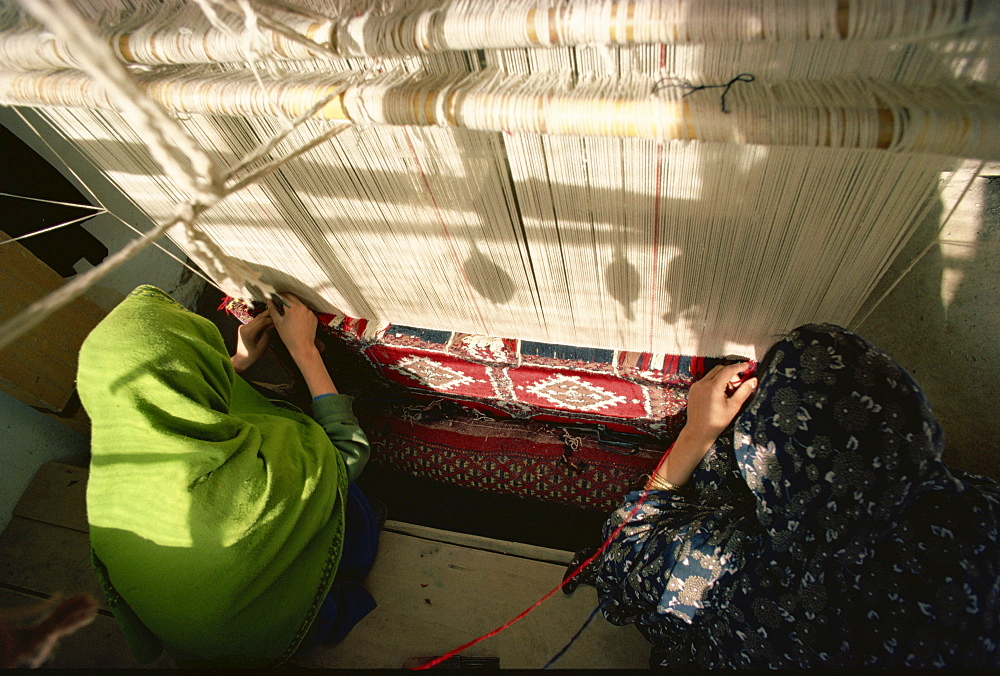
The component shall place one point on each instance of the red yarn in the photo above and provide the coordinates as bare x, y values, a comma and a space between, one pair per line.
224, 303
579, 569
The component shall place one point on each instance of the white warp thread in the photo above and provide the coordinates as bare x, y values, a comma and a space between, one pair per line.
187, 164
682, 247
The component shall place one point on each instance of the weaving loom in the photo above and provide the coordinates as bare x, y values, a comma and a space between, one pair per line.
689, 177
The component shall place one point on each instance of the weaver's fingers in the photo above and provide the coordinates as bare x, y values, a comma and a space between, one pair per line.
713, 373
297, 326
732, 372
743, 392
259, 323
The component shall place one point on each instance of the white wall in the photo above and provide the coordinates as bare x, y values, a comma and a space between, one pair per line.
28, 439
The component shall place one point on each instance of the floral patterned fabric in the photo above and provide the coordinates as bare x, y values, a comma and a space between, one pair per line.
825, 532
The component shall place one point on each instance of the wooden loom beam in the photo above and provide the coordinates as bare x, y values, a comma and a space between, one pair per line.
667, 205
966, 124
450, 25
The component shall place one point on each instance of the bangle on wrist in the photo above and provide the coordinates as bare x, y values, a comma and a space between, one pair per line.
657, 483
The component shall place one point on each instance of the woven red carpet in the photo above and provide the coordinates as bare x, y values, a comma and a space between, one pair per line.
526, 459
510, 404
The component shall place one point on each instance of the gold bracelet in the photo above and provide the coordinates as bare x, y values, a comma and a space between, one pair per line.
655, 482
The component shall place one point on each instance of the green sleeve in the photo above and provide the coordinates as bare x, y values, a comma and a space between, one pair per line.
334, 414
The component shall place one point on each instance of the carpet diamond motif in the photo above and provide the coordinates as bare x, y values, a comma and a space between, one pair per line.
573, 392
431, 373
510, 438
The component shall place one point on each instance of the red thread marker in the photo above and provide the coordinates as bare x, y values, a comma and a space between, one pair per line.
741, 377
579, 569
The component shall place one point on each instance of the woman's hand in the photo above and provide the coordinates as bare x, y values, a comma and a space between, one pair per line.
715, 400
297, 327
251, 341
713, 403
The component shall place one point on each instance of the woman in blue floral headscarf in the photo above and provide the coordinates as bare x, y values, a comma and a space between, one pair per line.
824, 532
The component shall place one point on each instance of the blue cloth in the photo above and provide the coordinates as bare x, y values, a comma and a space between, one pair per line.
348, 601
824, 532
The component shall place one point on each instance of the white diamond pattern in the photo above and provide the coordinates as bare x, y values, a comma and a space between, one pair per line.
431, 373
573, 392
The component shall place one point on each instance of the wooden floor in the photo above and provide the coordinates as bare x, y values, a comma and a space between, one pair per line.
435, 590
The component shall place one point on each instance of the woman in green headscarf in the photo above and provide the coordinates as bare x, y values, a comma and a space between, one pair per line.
217, 520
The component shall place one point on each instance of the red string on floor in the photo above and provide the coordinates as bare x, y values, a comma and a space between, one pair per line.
579, 569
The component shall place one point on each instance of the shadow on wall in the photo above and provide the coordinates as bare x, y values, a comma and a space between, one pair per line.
357, 225
942, 323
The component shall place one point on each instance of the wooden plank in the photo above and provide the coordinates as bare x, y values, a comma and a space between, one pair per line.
40, 367
100, 644
526, 551
433, 597
47, 559
57, 495
435, 590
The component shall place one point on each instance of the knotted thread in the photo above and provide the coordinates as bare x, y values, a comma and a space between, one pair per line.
692, 88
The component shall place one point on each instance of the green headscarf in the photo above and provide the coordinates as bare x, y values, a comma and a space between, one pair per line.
216, 518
